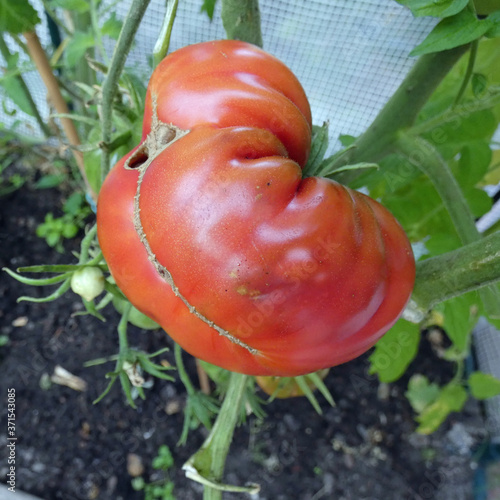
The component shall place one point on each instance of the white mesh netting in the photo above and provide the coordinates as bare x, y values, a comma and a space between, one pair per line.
349, 56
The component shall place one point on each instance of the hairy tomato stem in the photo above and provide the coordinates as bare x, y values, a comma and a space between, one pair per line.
207, 464
109, 88
401, 110
455, 273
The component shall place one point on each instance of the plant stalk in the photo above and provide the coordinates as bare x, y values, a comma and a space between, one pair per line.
161, 47
424, 155
241, 20
207, 464
400, 111
460, 271
42, 64
110, 85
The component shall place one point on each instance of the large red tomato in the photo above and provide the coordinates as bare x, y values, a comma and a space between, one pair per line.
213, 232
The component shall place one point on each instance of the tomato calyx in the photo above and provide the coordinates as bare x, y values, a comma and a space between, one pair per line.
161, 136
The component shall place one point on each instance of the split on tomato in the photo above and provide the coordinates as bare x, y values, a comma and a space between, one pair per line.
209, 228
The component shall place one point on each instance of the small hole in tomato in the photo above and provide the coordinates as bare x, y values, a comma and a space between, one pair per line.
137, 160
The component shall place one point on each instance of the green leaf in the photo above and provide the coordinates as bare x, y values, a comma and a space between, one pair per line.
17, 94
421, 393
319, 146
13, 89
483, 385
460, 315
70, 230
164, 460
395, 351
77, 47
453, 31
49, 181
73, 204
112, 27
435, 8
479, 84
464, 129
479, 202
473, 164
451, 398
17, 16
325, 169
79, 6
347, 140
208, 6
494, 31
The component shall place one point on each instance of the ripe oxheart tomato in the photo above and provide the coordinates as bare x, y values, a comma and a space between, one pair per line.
209, 228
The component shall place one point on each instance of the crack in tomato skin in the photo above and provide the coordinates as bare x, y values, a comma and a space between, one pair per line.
161, 137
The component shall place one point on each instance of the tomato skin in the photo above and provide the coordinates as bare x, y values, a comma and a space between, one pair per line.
230, 83
242, 261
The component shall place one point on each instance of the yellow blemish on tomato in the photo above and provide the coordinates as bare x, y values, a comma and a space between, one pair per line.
243, 290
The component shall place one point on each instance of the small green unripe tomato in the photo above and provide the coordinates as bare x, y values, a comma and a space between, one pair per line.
88, 282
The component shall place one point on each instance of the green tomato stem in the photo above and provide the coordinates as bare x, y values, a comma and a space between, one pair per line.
401, 110
86, 244
426, 157
241, 20
468, 72
182, 370
161, 47
122, 333
454, 273
110, 85
207, 464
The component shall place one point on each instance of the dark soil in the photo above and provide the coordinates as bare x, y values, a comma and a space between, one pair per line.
68, 448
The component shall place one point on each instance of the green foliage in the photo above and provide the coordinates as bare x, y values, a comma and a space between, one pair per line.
454, 31
451, 398
55, 229
483, 385
444, 8
460, 315
421, 393
17, 17
162, 489
395, 351
208, 6
79, 6
459, 26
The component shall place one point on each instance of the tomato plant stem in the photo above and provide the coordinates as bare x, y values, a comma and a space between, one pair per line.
110, 85
468, 72
455, 273
241, 20
426, 157
400, 111
39, 57
207, 464
161, 47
